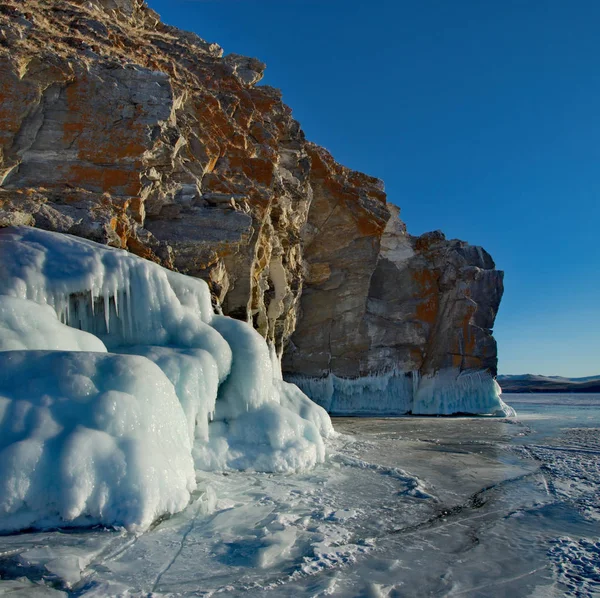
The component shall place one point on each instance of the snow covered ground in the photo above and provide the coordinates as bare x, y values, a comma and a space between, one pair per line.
417, 507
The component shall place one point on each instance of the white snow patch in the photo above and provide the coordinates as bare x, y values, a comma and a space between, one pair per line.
577, 565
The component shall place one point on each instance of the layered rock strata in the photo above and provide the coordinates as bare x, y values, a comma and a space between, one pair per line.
119, 128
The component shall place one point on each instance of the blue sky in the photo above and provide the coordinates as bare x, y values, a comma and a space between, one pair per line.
483, 120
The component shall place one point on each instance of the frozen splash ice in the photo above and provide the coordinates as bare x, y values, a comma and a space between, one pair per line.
122, 299
232, 403
389, 393
25, 325
450, 391
446, 392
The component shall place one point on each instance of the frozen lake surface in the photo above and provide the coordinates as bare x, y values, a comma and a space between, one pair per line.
402, 507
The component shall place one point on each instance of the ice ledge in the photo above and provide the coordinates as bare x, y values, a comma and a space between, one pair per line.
447, 392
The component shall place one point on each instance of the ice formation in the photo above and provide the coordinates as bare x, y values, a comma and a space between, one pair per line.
173, 368
390, 393
256, 409
447, 392
28, 325
450, 391
89, 438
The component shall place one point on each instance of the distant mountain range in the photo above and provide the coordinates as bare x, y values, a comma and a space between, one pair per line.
535, 383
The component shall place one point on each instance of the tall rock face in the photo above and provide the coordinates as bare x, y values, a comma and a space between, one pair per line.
119, 128
377, 299
341, 241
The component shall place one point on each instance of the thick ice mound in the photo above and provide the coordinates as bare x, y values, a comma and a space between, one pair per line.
256, 409
447, 392
220, 369
89, 438
195, 375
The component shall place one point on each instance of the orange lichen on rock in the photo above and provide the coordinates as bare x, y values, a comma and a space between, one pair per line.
427, 307
102, 135
104, 180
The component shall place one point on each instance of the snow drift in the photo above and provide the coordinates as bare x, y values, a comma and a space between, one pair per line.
108, 437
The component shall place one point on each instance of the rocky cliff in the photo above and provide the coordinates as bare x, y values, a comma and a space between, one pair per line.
119, 128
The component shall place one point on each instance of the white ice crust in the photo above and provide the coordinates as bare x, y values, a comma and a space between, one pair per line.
178, 380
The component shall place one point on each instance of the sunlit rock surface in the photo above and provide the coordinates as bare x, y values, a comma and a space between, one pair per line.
124, 130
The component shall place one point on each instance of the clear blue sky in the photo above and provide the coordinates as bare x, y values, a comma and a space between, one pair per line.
482, 118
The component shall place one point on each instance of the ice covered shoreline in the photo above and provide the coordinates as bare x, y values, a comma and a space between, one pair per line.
407, 506
395, 393
119, 383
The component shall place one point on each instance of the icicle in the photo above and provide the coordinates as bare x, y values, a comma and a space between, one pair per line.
115, 298
106, 298
128, 299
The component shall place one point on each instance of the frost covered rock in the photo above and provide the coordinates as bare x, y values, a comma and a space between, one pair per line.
89, 438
